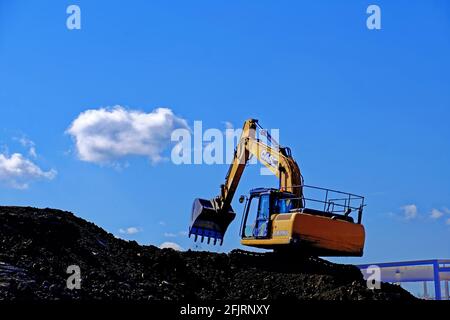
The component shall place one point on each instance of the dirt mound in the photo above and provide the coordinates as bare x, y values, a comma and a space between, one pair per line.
37, 246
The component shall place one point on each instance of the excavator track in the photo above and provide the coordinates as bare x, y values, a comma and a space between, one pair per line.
267, 258
249, 253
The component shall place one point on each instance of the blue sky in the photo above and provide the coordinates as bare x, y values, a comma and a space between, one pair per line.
365, 111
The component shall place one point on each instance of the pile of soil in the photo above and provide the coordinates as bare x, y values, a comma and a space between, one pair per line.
38, 245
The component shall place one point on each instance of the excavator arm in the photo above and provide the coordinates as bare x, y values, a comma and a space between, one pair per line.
210, 218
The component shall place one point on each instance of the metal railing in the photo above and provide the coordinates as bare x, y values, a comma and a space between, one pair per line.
331, 201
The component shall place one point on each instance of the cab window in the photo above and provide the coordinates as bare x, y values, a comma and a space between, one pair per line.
251, 217
284, 205
256, 223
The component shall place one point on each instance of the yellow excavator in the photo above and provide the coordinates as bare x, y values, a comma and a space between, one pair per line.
315, 221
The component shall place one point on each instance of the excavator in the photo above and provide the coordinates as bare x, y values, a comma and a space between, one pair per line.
291, 218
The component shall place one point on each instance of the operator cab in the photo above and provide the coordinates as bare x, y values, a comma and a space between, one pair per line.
261, 204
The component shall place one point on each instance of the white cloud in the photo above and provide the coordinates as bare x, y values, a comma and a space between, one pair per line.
32, 152
436, 214
171, 245
448, 221
169, 235
162, 223
130, 230
17, 171
27, 143
107, 134
446, 210
174, 235
409, 211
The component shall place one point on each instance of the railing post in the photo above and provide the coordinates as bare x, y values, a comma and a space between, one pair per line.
361, 207
437, 281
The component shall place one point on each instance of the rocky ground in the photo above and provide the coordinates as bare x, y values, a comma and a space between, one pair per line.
37, 246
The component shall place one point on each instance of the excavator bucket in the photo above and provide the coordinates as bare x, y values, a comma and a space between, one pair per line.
209, 223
